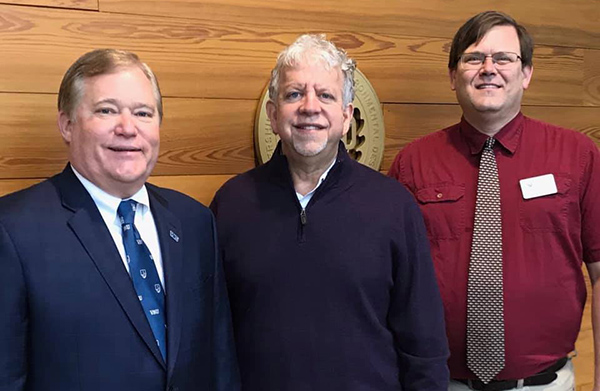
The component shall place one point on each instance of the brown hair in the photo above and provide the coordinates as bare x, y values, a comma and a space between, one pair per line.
100, 62
478, 26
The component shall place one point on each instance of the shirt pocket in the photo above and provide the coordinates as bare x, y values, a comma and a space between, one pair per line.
443, 208
547, 213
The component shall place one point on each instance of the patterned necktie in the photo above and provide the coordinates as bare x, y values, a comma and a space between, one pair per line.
143, 274
485, 304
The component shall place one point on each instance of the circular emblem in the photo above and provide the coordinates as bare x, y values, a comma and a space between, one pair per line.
364, 141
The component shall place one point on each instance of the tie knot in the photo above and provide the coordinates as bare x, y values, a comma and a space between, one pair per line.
489, 143
126, 211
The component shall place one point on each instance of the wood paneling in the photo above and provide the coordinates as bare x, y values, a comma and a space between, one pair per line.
215, 136
565, 23
591, 77
198, 136
213, 59
227, 61
73, 4
206, 136
200, 187
11, 185
31, 144
404, 123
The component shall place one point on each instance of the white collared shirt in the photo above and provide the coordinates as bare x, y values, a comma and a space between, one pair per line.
305, 199
143, 220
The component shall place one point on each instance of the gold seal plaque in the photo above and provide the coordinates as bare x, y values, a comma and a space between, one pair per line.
364, 141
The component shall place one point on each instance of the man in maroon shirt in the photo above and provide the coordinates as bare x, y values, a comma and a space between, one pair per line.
549, 184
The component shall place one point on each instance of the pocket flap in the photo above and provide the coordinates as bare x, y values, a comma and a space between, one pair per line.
440, 193
563, 184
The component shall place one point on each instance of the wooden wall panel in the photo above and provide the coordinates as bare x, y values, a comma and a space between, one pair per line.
200, 187
31, 144
406, 122
208, 136
584, 371
591, 77
226, 61
409, 69
564, 23
213, 59
73, 4
11, 185
197, 137
201, 136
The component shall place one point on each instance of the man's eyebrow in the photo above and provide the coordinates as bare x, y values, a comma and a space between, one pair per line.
143, 106
294, 84
135, 105
108, 100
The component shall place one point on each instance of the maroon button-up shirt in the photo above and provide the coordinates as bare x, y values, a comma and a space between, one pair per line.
545, 239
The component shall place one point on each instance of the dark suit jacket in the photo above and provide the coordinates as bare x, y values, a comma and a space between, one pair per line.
69, 315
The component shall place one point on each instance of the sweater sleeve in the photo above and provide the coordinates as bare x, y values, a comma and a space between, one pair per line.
416, 315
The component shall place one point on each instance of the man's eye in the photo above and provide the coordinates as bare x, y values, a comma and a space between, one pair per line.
144, 114
502, 58
472, 59
105, 110
292, 95
327, 96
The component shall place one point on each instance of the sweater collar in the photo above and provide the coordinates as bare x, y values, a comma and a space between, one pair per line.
281, 173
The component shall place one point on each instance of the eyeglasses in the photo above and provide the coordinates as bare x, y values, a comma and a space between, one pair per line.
474, 60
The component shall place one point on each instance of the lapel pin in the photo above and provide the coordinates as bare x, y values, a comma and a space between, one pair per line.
174, 236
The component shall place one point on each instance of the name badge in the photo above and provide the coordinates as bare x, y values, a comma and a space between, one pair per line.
538, 186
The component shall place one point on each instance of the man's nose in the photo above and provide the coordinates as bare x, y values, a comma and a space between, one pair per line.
310, 103
488, 66
126, 124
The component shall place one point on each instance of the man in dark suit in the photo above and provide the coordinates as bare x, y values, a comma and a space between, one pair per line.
109, 283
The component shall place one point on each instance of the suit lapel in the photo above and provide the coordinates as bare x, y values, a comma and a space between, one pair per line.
89, 227
171, 244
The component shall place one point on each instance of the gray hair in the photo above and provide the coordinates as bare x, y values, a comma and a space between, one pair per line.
315, 47
100, 62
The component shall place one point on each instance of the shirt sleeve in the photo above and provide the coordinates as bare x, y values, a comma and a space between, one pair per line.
13, 321
590, 207
416, 315
394, 171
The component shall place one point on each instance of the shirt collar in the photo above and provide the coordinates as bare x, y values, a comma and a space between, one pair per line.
321, 180
509, 136
108, 203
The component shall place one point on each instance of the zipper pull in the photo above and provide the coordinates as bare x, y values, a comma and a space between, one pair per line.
303, 216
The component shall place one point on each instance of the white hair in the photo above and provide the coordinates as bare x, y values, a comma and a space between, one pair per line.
315, 47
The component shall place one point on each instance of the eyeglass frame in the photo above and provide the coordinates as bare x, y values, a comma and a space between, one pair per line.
485, 57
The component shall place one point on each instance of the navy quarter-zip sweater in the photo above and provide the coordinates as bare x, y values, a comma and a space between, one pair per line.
341, 296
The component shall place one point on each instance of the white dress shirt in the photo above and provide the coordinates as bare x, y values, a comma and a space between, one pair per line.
143, 221
305, 199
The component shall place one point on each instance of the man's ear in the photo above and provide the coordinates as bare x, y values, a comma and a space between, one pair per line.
272, 114
527, 74
348, 114
65, 125
452, 75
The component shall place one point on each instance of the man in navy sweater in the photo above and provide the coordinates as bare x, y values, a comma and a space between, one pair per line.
327, 261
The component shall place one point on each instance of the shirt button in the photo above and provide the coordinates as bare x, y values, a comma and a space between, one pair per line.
439, 195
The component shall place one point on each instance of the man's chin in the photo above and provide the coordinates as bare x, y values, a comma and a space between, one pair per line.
487, 107
131, 177
309, 149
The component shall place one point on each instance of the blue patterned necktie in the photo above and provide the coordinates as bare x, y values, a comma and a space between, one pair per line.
144, 275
